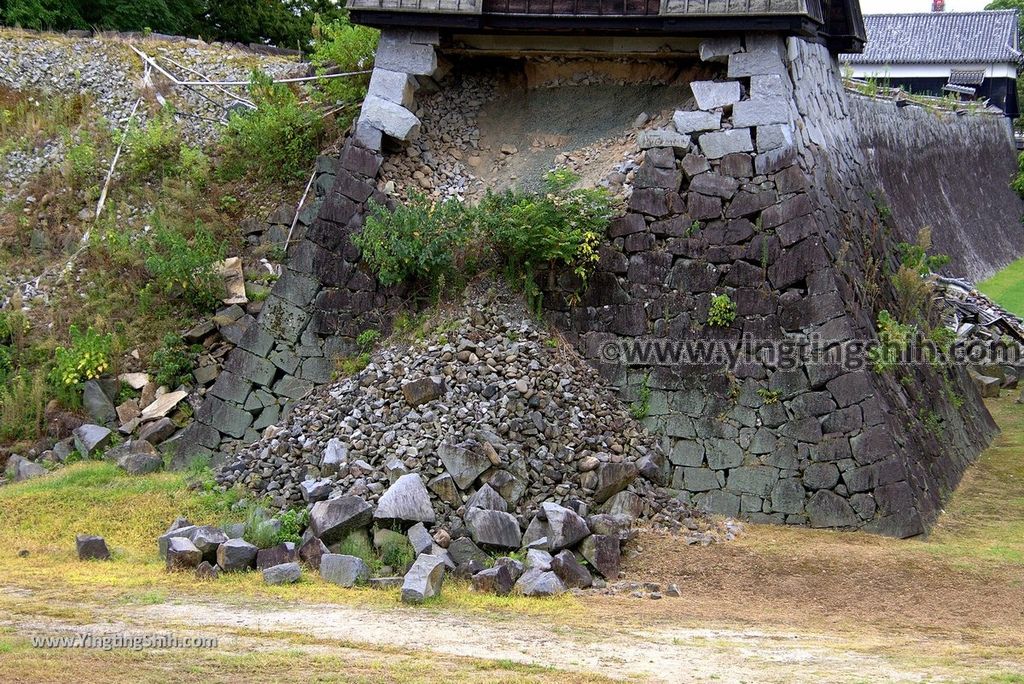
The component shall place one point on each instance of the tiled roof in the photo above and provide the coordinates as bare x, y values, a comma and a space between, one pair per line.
957, 37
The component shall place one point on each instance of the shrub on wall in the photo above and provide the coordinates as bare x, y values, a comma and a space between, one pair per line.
279, 139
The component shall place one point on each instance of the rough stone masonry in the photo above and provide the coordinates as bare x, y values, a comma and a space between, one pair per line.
766, 195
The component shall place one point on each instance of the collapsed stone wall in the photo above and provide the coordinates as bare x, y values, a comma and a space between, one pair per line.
947, 171
773, 205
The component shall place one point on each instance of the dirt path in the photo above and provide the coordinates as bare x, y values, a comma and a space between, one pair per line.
616, 650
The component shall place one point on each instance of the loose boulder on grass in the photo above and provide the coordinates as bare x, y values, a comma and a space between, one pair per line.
565, 527
424, 579
571, 571
285, 552
312, 551
236, 555
497, 580
286, 573
207, 538
603, 554
537, 582
345, 571
91, 547
331, 520
182, 554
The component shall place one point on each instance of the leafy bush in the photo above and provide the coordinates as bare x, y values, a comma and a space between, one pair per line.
722, 311
417, 241
893, 338
293, 522
183, 265
1018, 182
340, 46
563, 225
22, 405
156, 150
278, 140
358, 544
152, 149
172, 363
368, 339
82, 164
397, 552
87, 358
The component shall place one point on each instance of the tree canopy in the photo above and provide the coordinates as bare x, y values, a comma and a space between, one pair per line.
286, 23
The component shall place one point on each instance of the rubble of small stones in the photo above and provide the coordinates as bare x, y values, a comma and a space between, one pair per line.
504, 411
983, 324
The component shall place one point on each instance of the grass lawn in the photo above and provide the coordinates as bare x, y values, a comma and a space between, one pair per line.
1007, 287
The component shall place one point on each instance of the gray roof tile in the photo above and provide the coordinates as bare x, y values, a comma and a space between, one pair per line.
943, 37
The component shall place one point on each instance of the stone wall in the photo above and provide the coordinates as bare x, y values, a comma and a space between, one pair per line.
769, 201
949, 172
762, 193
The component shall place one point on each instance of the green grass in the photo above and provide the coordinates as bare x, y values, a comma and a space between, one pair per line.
1007, 287
43, 516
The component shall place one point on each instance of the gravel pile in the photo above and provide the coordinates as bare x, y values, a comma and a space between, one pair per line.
487, 397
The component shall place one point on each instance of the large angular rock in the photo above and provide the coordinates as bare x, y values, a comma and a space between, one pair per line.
157, 431
487, 499
569, 570
407, 501
91, 547
424, 579
335, 457
423, 390
463, 550
538, 558
420, 539
182, 554
565, 527
536, 535
537, 582
316, 490
463, 462
286, 573
389, 117
612, 478
494, 528
175, 530
207, 538
397, 51
695, 122
97, 404
283, 553
139, 463
90, 438
497, 580
331, 520
236, 555
312, 551
713, 95
616, 525
20, 469
393, 86
717, 144
603, 554
343, 570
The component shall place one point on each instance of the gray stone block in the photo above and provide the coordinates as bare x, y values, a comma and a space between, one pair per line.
394, 86
757, 63
393, 119
717, 144
694, 122
283, 320
714, 95
231, 387
718, 49
761, 112
345, 571
396, 51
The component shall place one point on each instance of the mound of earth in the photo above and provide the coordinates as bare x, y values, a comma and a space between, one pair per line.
487, 397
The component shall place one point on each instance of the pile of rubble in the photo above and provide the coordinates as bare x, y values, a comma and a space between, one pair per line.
560, 549
992, 337
487, 399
